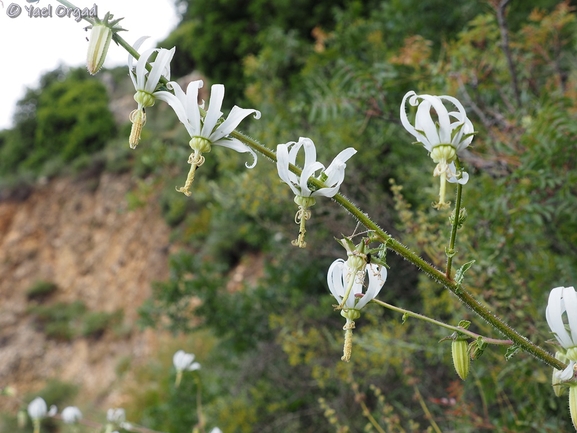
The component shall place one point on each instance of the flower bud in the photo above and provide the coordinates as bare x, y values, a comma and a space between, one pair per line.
461, 360
100, 38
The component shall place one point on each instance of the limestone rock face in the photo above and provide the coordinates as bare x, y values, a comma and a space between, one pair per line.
82, 236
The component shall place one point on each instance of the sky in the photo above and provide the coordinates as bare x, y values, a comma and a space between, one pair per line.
31, 46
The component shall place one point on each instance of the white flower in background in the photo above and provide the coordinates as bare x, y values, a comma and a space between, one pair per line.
116, 416
207, 132
216, 430
146, 84
443, 133
563, 303
183, 361
71, 415
346, 284
37, 409
305, 194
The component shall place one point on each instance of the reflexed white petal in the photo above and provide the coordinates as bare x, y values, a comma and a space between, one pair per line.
335, 279
554, 315
310, 151
282, 166
160, 67
335, 171
131, 59
213, 113
234, 118
140, 70
307, 172
185, 105
403, 113
377, 277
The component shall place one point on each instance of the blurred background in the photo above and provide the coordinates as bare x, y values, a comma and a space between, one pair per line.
106, 270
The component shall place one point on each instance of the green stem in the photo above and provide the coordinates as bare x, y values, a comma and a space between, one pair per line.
451, 251
456, 220
459, 329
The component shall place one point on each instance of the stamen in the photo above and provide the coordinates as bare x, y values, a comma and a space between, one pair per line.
303, 214
138, 119
195, 160
348, 346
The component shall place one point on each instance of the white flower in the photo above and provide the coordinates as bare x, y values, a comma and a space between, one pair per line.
216, 430
346, 284
207, 132
563, 301
71, 415
184, 361
37, 408
116, 416
332, 176
443, 135
452, 128
146, 83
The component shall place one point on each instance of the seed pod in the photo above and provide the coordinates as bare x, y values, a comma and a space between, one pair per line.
461, 360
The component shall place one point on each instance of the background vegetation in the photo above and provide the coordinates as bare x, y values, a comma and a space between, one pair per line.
336, 72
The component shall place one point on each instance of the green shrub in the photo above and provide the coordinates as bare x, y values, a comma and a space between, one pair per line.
41, 290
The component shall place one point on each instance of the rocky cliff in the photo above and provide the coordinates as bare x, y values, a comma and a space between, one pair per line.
80, 235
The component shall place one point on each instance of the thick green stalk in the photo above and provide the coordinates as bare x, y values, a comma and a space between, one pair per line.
454, 228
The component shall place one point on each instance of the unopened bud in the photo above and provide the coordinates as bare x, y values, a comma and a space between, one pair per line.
461, 360
100, 38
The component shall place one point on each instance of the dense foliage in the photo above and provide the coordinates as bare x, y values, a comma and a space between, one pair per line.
268, 338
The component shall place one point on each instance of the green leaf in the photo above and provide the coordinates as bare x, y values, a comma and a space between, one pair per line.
460, 275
